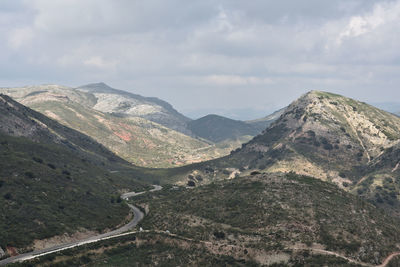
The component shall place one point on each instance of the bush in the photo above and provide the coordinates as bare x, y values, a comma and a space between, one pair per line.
38, 160
51, 166
8, 196
219, 234
328, 146
191, 183
30, 175
226, 172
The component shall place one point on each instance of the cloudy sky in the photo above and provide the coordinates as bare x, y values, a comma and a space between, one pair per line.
238, 58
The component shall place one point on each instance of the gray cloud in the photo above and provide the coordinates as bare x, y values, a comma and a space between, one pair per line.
206, 55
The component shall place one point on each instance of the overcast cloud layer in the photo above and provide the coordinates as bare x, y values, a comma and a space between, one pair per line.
205, 55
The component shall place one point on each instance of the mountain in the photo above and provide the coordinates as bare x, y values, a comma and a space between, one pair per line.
327, 136
122, 103
55, 181
323, 135
136, 139
263, 123
217, 128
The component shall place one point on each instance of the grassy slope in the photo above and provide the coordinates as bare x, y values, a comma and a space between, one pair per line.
54, 179
275, 213
46, 190
137, 140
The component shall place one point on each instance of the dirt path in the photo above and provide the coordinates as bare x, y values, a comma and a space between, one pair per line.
361, 180
326, 252
388, 259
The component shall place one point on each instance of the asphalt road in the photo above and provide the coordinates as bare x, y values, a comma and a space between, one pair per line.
137, 217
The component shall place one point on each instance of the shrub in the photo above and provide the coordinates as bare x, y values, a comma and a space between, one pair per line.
30, 175
191, 183
226, 172
38, 160
328, 146
219, 234
51, 166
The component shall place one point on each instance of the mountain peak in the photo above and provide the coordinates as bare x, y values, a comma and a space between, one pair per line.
97, 86
323, 134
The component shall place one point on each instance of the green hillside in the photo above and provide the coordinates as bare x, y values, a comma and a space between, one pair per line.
55, 180
276, 217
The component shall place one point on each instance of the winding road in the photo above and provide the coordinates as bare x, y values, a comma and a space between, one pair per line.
137, 217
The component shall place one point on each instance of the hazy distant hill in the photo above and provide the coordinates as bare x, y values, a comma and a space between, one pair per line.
263, 123
54, 180
217, 128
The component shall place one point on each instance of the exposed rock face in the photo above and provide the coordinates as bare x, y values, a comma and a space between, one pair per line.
2, 253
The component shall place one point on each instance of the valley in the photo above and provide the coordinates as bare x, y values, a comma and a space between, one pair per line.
319, 185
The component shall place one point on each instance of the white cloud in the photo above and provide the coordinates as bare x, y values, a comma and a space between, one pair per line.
174, 48
20, 37
383, 13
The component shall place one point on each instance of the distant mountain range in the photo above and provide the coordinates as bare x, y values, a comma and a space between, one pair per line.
143, 130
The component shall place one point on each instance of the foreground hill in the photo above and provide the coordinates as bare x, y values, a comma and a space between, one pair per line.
54, 181
129, 135
261, 220
217, 128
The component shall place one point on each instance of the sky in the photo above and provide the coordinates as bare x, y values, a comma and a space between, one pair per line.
242, 59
